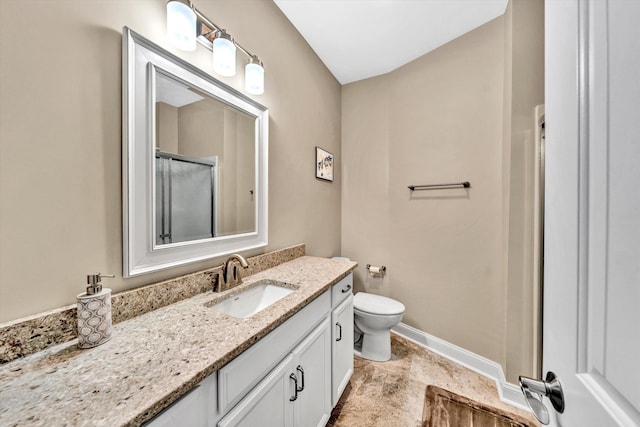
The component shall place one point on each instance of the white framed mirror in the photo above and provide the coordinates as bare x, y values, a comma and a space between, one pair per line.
194, 163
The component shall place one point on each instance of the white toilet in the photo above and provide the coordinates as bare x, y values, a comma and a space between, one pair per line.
374, 316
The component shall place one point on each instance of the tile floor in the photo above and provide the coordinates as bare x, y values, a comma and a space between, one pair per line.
392, 394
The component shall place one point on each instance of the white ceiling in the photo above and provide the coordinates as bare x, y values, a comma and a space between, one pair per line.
357, 39
173, 93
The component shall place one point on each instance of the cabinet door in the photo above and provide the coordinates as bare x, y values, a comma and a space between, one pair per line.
312, 365
242, 374
269, 403
341, 348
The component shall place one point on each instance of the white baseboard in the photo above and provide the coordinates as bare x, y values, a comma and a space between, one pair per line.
509, 393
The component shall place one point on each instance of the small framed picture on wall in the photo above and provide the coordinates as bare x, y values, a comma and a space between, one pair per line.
324, 165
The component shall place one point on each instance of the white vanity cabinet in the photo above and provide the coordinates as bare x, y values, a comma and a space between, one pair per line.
341, 336
293, 376
243, 373
295, 393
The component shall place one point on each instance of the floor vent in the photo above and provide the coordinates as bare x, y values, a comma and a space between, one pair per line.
443, 408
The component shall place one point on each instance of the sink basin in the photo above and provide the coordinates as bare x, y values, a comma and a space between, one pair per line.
252, 300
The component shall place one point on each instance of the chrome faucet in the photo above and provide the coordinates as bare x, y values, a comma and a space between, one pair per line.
230, 274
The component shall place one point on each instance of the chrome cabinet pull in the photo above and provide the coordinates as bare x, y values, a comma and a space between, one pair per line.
347, 289
299, 368
295, 387
340, 331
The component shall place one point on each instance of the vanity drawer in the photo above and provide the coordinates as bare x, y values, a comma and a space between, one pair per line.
341, 290
245, 371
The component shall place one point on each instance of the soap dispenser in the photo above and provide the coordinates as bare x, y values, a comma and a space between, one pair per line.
94, 313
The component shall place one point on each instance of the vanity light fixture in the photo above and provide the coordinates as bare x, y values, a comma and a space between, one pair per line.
224, 54
181, 25
183, 35
254, 76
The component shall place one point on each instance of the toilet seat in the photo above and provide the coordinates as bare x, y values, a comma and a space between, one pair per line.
376, 304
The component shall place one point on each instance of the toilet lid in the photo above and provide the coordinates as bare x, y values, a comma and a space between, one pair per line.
376, 304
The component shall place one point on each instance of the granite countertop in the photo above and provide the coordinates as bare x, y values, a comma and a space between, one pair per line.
152, 359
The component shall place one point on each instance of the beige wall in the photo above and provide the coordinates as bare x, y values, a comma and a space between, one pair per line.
524, 65
228, 179
167, 128
60, 158
438, 119
447, 117
245, 175
365, 188
201, 128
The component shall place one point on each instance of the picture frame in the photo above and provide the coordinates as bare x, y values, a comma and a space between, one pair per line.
324, 164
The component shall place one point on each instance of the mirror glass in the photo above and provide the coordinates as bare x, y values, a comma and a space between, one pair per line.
194, 163
204, 165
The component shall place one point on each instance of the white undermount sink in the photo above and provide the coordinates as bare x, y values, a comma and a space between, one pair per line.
253, 299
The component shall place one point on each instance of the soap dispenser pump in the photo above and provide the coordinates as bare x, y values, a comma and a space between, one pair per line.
94, 313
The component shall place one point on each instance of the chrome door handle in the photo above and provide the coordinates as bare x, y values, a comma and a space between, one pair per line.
295, 387
340, 331
299, 368
535, 390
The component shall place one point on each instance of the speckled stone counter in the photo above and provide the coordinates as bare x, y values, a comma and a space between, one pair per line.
152, 359
32, 334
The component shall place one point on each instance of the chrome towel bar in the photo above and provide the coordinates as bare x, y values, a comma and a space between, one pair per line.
465, 184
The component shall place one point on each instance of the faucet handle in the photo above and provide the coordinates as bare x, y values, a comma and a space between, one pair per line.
218, 283
237, 278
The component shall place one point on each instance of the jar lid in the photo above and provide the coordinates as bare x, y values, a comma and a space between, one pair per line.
376, 304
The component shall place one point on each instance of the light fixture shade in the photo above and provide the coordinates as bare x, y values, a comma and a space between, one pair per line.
224, 54
254, 76
181, 25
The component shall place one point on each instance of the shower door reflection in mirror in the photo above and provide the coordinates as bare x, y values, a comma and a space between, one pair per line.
184, 198
204, 165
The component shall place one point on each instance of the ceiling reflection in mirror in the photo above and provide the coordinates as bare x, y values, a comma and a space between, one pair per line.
204, 165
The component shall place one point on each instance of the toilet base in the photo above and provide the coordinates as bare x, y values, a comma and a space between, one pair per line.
376, 346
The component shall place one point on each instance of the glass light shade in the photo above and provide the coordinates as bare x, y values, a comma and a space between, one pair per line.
224, 56
181, 25
254, 78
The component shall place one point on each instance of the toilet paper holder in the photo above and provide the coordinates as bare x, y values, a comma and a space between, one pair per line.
376, 270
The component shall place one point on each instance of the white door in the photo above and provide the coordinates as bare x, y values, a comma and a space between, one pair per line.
341, 348
592, 221
270, 403
312, 365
